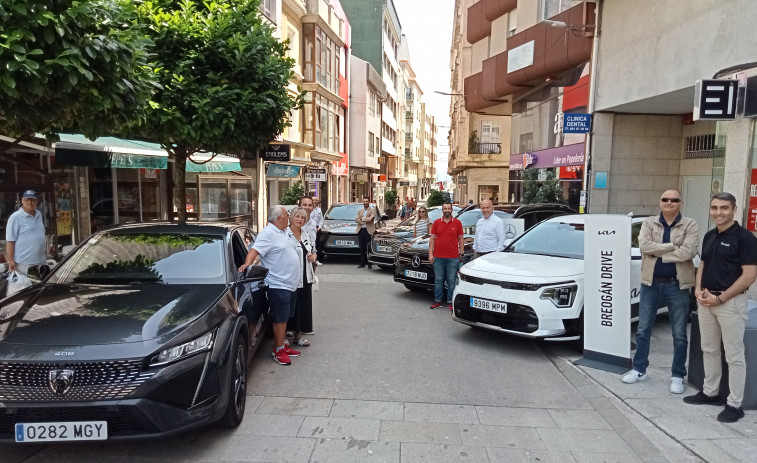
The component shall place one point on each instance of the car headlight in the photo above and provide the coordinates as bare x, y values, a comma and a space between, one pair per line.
172, 354
561, 296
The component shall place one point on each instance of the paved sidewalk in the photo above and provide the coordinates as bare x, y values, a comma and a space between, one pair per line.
694, 427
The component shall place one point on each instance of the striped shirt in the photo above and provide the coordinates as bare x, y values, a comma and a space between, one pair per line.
421, 227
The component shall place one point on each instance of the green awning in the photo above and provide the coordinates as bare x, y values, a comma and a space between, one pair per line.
77, 150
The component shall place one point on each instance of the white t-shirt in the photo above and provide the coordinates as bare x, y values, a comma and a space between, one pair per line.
280, 255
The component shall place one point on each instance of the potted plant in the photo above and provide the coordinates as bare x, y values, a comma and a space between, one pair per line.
390, 198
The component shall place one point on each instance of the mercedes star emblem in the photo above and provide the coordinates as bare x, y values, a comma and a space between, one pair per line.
61, 380
510, 231
416, 261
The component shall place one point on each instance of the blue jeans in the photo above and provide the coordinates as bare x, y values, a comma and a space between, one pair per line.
677, 301
445, 269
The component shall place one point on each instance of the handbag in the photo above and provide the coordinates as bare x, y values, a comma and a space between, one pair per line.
316, 283
16, 282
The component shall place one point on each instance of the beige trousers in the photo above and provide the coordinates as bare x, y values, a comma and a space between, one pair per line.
724, 322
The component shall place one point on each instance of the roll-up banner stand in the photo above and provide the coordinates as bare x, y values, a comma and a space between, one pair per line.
607, 294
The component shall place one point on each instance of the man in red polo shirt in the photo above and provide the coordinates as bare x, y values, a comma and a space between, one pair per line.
445, 251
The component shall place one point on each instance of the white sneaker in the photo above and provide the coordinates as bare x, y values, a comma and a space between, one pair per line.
633, 376
318, 263
676, 385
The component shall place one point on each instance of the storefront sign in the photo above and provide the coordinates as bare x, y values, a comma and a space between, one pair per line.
315, 175
715, 99
404, 183
282, 171
520, 57
277, 152
462, 180
607, 294
570, 155
752, 212
571, 172
576, 123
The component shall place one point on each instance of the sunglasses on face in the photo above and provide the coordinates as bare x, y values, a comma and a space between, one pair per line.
670, 200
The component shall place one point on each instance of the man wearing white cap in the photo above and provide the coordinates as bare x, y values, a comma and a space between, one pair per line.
25, 235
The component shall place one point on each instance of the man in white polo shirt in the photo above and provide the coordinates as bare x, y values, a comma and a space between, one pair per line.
490, 231
25, 235
280, 256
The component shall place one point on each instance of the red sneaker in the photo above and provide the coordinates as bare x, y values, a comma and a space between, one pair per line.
281, 357
291, 352
435, 305
449, 306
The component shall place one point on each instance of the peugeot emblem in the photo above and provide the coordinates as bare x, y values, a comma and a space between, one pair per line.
61, 380
510, 230
416, 261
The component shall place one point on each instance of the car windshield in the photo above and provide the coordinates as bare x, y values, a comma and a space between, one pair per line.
561, 239
344, 212
469, 219
131, 258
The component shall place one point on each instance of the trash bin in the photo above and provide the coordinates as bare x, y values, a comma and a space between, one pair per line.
696, 365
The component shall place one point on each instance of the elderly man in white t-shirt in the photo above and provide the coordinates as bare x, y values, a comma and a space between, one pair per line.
280, 256
490, 231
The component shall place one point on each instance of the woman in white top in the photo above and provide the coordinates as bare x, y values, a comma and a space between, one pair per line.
303, 315
421, 225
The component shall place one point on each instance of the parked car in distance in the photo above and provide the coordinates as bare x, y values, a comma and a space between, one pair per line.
338, 235
385, 244
412, 267
143, 330
535, 287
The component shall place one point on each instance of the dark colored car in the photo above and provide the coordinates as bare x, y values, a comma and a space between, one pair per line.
387, 241
338, 236
412, 267
141, 331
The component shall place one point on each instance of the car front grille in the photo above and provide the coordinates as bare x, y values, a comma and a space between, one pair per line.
393, 243
122, 421
29, 381
519, 317
407, 259
509, 284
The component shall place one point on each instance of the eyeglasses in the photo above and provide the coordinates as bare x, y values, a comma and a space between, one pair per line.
670, 200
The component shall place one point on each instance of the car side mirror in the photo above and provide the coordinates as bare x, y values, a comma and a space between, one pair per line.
255, 273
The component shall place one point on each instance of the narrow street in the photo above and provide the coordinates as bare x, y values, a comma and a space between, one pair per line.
386, 379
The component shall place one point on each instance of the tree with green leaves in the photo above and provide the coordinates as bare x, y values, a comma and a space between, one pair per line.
536, 191
223, 78
435, 198
293, 194
78, 66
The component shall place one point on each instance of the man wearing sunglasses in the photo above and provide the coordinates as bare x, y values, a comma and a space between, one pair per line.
668, 242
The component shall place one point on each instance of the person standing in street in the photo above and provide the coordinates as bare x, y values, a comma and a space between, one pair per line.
306, 203
317, 216
445, 252
25, 235
281, 256
490, 231
668, 242
421, 226
727, 270
302, 321
365, 229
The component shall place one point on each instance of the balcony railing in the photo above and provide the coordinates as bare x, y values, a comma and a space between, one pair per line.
408, 115
485, 148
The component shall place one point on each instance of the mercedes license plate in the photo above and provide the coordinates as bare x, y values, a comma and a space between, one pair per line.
344, 242
414, 274
61, 431
384, 248
477, 303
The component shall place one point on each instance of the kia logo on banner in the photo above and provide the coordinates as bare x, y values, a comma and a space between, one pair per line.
607, 292
277, 152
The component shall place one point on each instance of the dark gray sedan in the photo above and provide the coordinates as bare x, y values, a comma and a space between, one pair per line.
141, 331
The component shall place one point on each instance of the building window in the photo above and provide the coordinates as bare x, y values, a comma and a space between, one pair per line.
268, 7
550, 8
526, 142
321, 58
294, 49
370, 144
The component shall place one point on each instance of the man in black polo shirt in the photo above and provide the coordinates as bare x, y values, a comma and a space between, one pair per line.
728, 268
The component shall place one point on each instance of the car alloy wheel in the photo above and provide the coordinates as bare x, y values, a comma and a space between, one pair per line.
237, 386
